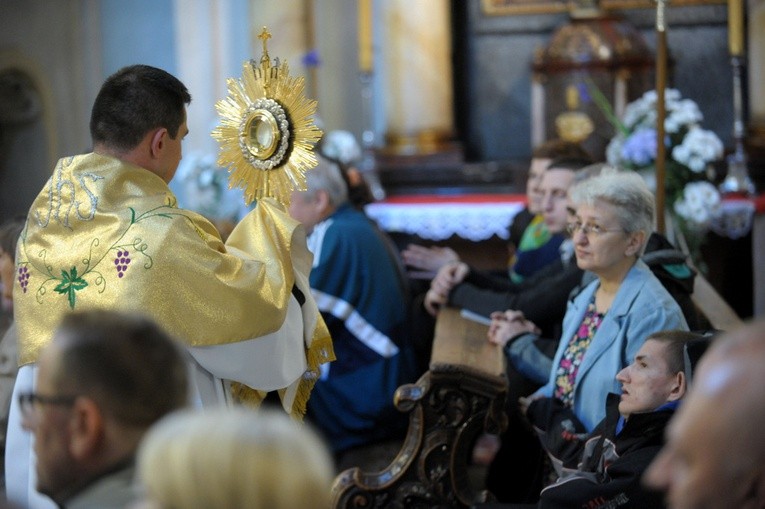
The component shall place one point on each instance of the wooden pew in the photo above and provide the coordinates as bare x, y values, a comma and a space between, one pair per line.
460, 397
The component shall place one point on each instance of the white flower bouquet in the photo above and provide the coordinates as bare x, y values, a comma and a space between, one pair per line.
691, 151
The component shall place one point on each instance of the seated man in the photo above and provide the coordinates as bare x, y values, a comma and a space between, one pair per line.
357, 287
606, 466
527, 233
542, 298
102, 381
715, 452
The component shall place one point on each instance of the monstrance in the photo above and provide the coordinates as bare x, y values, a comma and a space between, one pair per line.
267, 132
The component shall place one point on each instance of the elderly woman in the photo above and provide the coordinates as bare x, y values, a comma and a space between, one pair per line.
233, 458
608, 321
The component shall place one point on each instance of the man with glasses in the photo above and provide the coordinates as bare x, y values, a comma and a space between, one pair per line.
102, 381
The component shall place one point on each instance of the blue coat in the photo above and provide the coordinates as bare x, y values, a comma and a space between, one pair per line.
641, 306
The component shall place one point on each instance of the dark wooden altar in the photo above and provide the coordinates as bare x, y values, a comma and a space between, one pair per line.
460, 397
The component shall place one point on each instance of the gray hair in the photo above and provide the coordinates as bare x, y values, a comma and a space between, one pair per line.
327, 176
625, 190
593, 170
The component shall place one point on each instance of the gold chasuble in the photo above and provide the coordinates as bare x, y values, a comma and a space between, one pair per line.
107, 234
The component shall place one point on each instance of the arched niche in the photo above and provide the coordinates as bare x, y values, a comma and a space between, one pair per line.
27, 135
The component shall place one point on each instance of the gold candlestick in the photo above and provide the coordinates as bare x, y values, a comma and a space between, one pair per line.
736, 27
365, 36
737, 180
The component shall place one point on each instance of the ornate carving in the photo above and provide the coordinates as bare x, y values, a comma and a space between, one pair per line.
449, 407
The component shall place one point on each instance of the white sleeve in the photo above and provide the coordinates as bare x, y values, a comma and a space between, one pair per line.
267, 363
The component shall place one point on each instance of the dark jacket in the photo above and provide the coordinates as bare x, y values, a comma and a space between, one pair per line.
604, 470
541, 297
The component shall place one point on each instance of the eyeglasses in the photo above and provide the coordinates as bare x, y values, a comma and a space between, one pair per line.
588, 229
29, 400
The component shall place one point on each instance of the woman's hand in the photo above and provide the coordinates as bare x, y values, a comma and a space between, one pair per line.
507, 325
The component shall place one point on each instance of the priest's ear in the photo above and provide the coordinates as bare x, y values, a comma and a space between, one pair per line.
158, 141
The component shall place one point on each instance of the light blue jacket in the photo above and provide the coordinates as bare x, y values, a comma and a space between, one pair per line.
641, 306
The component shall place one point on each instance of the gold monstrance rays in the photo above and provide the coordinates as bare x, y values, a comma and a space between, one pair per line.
267, 132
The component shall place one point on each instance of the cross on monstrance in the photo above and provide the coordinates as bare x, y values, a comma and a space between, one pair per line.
264, 36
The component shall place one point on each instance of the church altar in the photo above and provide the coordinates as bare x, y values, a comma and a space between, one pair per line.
474, 217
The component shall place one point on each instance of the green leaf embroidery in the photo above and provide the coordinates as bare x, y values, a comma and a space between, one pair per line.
70, 283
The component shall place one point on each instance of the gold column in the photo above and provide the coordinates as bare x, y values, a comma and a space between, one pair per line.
366, 53
418, 76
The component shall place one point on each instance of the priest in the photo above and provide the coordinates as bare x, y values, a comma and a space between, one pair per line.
105, 232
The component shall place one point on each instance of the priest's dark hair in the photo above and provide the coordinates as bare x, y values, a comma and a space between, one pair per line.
132, 102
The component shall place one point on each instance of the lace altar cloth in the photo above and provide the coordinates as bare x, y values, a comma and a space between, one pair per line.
473, 217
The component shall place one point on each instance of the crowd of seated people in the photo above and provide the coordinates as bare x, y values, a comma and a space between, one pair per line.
433, 258
605, 323
599, 420
104, 403
102, 442
540, 303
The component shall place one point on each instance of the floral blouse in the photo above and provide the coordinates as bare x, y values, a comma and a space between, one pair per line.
565, 374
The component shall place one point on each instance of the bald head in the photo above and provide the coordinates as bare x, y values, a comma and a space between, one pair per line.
715, 451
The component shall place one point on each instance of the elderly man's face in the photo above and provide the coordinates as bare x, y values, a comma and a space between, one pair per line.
700, 467
305, 208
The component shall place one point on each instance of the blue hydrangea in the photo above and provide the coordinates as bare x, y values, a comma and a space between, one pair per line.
639, 149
